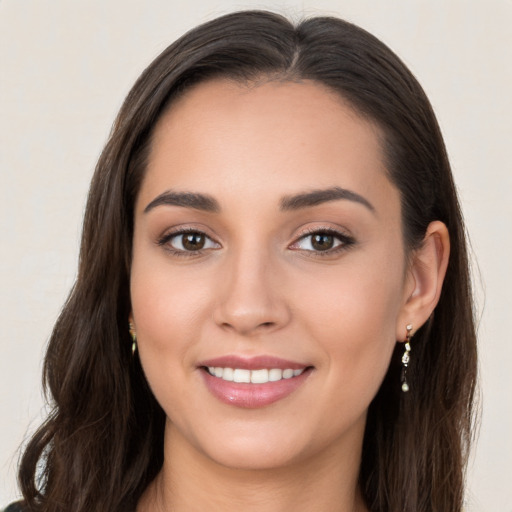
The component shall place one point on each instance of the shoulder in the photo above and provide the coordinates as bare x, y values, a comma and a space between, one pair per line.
15, 507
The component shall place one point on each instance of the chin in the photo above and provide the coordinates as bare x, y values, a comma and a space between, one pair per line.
248, 456
263, 447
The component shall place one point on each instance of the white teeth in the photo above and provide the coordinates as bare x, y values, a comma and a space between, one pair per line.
275, 374
253, 376
241, 375
228, 374
259, 376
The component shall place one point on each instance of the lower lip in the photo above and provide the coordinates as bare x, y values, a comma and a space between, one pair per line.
252, 396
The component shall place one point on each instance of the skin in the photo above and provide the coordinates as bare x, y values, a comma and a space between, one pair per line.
259, 287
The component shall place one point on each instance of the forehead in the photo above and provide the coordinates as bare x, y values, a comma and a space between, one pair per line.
220, 103
270, 137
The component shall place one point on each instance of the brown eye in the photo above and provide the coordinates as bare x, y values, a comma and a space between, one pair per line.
322, 241
193, 241
188, 242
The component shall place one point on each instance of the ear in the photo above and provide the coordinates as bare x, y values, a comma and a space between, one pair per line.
424, 281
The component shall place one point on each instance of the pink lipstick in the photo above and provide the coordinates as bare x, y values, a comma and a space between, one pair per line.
252, 382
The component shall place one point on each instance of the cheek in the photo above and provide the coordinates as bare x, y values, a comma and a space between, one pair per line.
167, 310
167, 306
352, 317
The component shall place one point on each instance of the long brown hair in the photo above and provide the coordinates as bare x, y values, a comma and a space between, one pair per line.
103, 442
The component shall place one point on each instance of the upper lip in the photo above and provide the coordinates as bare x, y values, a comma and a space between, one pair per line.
252, 363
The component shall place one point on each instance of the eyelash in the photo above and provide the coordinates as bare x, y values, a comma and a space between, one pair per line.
165, 239
345, 240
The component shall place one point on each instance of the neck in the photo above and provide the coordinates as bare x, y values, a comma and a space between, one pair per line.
190, 481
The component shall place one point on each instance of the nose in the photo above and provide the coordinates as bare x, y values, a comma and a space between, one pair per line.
251, 298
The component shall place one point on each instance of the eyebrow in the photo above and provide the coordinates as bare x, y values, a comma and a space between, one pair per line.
316, 197
207, 203
186, 199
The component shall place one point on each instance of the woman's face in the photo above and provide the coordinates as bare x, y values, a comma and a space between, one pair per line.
267, 248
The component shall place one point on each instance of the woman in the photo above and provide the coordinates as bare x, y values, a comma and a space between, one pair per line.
269, 229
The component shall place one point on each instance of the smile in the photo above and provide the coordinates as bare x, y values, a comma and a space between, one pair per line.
261, 376
253, 382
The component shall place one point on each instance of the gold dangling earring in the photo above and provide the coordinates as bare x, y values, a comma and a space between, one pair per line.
406, 358
133, 334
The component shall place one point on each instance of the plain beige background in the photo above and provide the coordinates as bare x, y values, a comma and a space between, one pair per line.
65, 68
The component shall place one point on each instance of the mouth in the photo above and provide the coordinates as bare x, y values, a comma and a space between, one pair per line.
254, 382
261, 376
